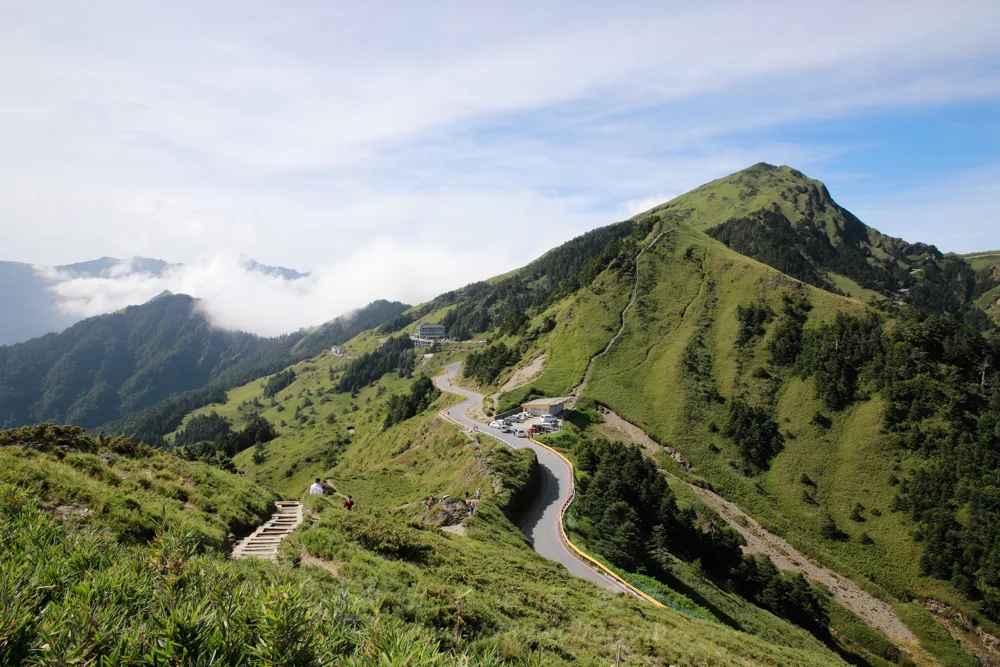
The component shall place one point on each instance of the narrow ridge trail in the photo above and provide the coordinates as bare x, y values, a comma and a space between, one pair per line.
263, 542
577, 391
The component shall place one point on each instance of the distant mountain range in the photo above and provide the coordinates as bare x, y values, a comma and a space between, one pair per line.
31, 308
110, 367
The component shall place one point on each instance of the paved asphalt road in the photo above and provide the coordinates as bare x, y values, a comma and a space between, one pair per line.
541, 522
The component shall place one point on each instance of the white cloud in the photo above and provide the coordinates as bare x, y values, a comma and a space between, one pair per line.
298, 134
364, 266
637, 206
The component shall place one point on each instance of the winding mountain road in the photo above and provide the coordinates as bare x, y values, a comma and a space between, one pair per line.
541, 523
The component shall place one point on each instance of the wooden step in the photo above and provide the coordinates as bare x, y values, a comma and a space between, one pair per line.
264, 541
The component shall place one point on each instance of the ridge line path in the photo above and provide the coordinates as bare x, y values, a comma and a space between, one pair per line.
577, 391
541, 524
263, 542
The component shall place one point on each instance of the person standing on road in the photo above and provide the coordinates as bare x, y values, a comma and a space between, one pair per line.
316, 489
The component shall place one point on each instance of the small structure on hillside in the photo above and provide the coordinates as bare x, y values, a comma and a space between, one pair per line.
338, 351
545, 406
427, 334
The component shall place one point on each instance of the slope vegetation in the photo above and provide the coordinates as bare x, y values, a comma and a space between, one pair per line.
488, 583
863, 432
115, 366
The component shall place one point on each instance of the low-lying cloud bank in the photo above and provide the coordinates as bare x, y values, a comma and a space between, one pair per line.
235, 297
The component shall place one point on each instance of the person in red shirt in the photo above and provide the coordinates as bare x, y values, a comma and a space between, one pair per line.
348, 503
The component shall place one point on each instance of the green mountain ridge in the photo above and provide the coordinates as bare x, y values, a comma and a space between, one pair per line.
113, 366
790, 222
734, 365
863, 432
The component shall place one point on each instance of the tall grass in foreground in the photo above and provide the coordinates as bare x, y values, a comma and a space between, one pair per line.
78, 597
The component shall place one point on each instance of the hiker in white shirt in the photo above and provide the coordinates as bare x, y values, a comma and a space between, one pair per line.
316, 489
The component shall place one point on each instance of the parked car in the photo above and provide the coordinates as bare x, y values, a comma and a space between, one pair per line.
496, 424
520, 433
505, 428
534, 430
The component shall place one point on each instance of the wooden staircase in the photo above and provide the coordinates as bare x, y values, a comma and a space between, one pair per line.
263, 542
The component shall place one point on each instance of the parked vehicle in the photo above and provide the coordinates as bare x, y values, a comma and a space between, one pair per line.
496, 424
505, 428
533, 431
520, 433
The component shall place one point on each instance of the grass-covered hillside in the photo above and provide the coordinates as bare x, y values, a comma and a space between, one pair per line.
822, 444
479, 574
111, 556
780, 217
838, 385
989, 263
138, 369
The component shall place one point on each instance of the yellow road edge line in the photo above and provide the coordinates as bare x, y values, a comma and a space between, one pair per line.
580, 552
562, 510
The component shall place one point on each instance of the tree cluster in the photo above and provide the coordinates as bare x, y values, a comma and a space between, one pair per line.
627, 512
485, 367
938, 378
400, 407
210, 438
755, 434
279, 381
371, 366
753, 320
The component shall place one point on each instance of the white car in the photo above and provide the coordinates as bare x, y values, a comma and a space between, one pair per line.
505, 428
496, 424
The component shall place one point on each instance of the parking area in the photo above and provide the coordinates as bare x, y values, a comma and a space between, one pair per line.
529, 424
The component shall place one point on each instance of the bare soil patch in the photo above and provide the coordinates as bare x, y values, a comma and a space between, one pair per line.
874, 612
525, 374
328, 565
983, 645
636, 435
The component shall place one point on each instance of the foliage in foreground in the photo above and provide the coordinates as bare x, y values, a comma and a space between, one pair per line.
78, 597
126, 488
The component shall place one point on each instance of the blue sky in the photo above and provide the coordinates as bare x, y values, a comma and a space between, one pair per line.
357, 140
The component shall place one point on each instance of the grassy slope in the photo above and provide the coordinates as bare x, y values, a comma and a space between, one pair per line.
81, 585
724, 198
515, 598
134, 495
644, 379
980, 260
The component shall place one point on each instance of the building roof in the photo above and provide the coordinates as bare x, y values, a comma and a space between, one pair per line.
544, 402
